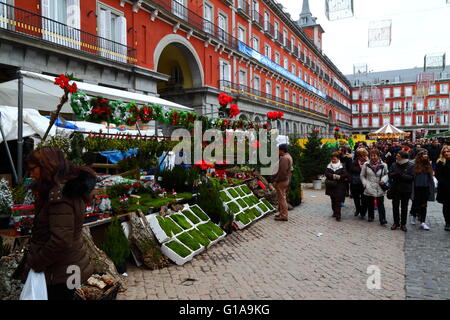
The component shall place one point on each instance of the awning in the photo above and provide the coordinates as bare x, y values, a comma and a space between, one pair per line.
40, 93
388, 131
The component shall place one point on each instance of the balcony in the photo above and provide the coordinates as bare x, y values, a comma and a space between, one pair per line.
308, 61
279, 38
269, 30
302, 57
228, 2
295, 52
32, 25
257, 20
243, 9
288, 45
249, 93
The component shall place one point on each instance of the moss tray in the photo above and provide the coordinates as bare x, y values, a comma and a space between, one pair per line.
189, 241
178, 248
192, 217
199, 212
181, 220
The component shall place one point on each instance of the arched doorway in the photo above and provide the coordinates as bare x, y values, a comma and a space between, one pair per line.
288, 128
257, 120
177, 58
243, 117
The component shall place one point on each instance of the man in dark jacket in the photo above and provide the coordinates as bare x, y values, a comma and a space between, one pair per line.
434, 151
281, 181
401, 175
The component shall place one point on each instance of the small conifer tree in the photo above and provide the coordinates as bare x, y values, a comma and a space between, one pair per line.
116, 244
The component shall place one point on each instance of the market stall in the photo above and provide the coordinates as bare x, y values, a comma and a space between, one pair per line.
388, 131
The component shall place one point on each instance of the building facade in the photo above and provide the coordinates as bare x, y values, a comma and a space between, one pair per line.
399, 98
185, 51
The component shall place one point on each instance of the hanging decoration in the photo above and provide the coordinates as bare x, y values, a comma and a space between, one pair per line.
275, 115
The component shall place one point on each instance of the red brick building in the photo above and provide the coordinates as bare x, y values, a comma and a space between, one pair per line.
394, 97
186, 52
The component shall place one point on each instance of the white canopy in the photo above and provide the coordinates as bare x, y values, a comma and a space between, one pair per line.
388, 130
40, 93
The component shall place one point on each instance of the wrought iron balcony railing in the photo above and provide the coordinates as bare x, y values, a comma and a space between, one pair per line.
257, 19
33, 25
243, 8
250, 93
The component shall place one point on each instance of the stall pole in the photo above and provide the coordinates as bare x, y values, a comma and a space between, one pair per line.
20, 128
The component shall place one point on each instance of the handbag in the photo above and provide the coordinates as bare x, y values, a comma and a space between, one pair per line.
385, 186
331, 183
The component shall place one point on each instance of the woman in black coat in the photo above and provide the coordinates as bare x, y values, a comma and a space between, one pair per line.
337, 180
443, 177
401, 176
356, 186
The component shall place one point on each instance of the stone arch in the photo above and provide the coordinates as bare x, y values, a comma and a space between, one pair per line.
243, 116
185, 48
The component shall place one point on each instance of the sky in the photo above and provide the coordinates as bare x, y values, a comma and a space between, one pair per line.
419, 27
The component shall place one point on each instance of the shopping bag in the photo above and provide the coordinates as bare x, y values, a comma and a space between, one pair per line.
35, 287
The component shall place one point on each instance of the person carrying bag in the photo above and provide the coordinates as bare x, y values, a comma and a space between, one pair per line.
35, 287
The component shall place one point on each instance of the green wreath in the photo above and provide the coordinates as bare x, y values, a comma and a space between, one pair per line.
131, 114
80, 104
119, 111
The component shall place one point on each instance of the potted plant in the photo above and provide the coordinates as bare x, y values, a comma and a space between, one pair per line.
314, 159
6, 202
116, 245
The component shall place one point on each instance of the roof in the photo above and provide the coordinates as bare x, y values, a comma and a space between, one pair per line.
388, 130
394, 76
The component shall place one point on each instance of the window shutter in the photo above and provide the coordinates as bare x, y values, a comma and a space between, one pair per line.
105, 32
45, 8
3, 15
121, 33
45, 12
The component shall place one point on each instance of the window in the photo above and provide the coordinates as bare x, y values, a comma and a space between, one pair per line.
179, 9
431, 104
408, 120
431, 119
419, 119
355, 108
443, 88
375, 107
243, 77
375, 122
306, 103
6, 13
113, 26
286, 63
365, 122
408, 91
419, 105
355, 95
223, 27
276, 27
255, 43
300, 100
268, 87
387, 92
266, 21
397, 92
365, 95
365, 107
62, 12
268, 51
292, 43
294, 98
241, 34
278, 91
408, 105
277, 58
397, 121
286, 94
397, 106
285, 36
444, 118
432, 89
225, 70
257, 83
300, 73
209, 18
443, 102
293, 69
355, 122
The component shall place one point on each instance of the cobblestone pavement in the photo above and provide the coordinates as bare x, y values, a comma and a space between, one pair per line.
428, 258
286, 260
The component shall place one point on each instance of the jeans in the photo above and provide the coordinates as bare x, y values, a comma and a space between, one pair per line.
282, 189
400, 199
371, 208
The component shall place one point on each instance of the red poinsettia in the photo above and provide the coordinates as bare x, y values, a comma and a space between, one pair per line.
234, 111
316, 130
72, 88
62, 81
275, 115
224, 99
203, 165
337, 129
146, 114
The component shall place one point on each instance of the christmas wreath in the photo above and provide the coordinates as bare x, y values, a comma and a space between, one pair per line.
119, 109
81, 106
101, 110
131, 114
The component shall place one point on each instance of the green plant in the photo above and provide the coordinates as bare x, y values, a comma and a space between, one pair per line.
233, 193
224, 196
234, 207
209, 200
207, 231
199, 212
217, 230
240, 192
179, 178
62, 142
248, 201
246, 189
168, 226
244, 218
115, 244
192, 217
189, 241
268, 204
6, 198
76, 148
242, 203
263, 207
251, 214
295, 188
178, 248
181, 221
314, 157
19, 193
199, 237
254, 199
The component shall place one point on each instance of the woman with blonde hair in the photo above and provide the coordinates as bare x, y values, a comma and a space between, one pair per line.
443, 177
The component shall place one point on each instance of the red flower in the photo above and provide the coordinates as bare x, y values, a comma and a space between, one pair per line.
72, 88
280, 114
337, 129
234, 110
224, 99
316, 130
136, 185
203, 165
62, 81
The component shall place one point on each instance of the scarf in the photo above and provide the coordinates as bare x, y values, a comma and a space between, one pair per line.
375, 165
403, 161
361, 164
335, 166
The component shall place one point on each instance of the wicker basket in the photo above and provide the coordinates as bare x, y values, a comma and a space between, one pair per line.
110, 294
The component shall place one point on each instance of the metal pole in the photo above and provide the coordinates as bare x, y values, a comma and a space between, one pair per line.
20, 127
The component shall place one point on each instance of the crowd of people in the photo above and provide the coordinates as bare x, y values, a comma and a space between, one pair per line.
403, 172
